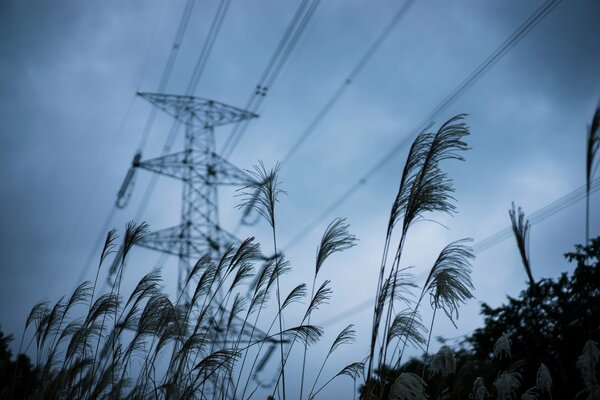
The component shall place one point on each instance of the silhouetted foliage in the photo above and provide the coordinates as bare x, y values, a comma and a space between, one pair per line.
16, 376
533, 341
549, 323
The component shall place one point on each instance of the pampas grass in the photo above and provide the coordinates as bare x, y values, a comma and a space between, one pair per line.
424, 187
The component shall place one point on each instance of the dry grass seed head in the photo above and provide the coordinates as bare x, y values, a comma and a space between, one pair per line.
479, 392
507, 384
307, 334
346, 336
297, 294
407, 324
587, 363
443, 362
530, 394
336, 238
543, 380
322, 296
409, 386
449, 282
263, 192
430, 188
502, 347
354, 370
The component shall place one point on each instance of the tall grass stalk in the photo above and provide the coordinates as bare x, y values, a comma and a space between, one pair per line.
424, 187
592, 145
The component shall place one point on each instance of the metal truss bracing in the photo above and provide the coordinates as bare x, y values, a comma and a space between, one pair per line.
204, 167
177, 239
196, 111
201, 171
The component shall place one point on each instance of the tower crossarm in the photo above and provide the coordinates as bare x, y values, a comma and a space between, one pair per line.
173, 240
197, 111
210, 168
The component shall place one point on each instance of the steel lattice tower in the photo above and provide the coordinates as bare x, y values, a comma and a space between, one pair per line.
201, 170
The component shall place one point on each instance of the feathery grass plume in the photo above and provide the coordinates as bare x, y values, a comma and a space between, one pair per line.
133, 234
530, 394
200, 265
220, 359
109, 245
409, 386
424, 187
587, 363
520, 227
239, 303
430, 189
261, 195
443, 362
479, 392
592, 146
346, 336
502, 347
297, 294
307, 334
148, 286
354, 370
263, 192
322, 296
335, 239
507, 384
408, 325
543, 379
449, 282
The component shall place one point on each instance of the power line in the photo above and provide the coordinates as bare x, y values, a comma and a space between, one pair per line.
180, 33
539, 215
208, 45
113, 146
194, 80
508, 44
362, 62
492, 240
168, 70
286, 45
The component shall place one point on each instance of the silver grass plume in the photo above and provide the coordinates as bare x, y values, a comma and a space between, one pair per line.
592, 146
354, 370
443, 362
263, 192
502, 347
409, 325
408, 386
587, 363
297, 294
424, 187
335, 239
530, 394
449, 281
520, 227
507, 384
346, 336
543, 379
479, 392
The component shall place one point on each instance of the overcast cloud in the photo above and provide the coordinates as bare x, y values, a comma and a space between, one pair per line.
70, 124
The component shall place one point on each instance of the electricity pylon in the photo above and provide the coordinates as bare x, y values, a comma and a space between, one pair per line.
201, 170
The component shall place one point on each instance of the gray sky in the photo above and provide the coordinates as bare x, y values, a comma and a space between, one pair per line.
69, 126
